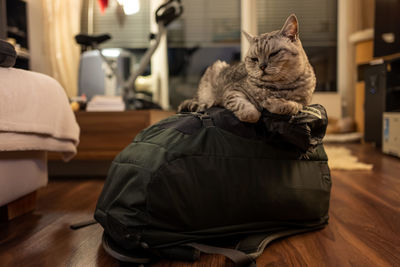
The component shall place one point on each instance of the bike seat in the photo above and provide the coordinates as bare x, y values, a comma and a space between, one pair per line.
91, 40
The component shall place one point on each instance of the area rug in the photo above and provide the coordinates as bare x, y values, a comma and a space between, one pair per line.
340, 158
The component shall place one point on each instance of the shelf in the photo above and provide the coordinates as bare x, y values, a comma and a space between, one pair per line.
17, 32
13, 26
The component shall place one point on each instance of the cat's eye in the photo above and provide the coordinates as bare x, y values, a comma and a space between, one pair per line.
274, 54
254, 59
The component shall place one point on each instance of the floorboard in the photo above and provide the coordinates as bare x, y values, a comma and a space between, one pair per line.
364, 227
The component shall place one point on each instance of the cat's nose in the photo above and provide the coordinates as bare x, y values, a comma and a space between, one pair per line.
263, 66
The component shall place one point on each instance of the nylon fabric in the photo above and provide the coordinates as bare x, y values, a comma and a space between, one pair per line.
267, 177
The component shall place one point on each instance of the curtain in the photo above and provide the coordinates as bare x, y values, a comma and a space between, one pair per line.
61, 23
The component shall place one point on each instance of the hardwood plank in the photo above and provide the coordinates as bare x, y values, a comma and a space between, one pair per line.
364, 227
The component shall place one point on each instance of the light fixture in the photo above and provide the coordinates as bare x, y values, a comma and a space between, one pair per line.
111, 52
130, 6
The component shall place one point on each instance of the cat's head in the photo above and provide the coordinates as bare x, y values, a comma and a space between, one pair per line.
278, 55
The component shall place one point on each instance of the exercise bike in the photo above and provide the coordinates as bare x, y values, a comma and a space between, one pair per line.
116, 70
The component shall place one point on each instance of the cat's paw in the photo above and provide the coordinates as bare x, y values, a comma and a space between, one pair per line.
192, 105
289, 108
189, 105
251, 115
293, 109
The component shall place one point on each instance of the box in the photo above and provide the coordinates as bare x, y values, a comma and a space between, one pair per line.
391, 133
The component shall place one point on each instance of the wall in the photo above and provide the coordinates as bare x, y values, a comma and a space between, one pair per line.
353, 16
331, 102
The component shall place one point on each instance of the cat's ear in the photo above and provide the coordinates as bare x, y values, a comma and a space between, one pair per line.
249, 37
291, 28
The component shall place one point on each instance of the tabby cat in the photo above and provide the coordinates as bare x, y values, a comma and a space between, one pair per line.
275, 75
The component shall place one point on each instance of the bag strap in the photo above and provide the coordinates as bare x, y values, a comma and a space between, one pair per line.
83, 224
254, 245
240, 258
207, 120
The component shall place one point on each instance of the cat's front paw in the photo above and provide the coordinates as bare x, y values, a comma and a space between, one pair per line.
288, 108
192, 105
248, 115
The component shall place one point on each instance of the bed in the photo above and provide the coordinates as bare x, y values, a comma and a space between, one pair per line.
35, 117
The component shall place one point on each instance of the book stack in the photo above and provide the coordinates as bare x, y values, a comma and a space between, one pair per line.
106, 103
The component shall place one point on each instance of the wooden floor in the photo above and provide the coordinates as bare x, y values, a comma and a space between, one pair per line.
364, 228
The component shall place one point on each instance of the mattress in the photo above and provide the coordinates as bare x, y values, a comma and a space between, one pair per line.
21, 173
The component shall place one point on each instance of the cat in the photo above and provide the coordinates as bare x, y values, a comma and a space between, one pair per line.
275, 75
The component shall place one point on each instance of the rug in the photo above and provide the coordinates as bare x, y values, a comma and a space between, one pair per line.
340, 158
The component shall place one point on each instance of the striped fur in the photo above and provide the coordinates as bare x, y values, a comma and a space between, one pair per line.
275, 75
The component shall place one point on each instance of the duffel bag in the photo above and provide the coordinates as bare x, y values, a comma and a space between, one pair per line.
209, 182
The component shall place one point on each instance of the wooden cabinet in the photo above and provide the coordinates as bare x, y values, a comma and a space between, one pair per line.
103, 135
363, 55
363, 47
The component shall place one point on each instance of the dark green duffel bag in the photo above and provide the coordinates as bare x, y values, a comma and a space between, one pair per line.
209, 178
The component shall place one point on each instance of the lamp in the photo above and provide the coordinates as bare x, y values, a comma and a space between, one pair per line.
130, 6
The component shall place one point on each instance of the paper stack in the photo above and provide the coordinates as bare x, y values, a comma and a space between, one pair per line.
106, 103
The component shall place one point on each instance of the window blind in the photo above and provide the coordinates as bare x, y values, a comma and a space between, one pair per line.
127, 31
317, 19
203, 22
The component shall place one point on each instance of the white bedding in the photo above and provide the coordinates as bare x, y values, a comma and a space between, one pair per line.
35, 114
21, 173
